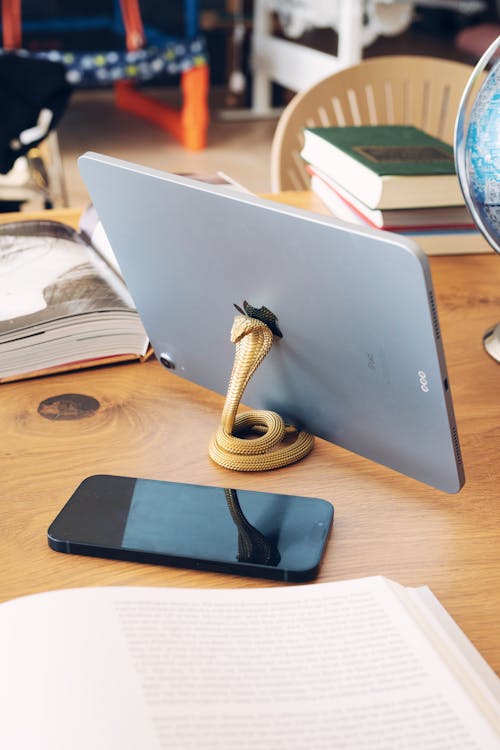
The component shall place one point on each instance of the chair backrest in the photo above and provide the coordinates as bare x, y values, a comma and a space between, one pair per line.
392, 90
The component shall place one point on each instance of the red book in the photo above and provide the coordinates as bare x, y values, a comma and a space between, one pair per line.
434, 239
346, 206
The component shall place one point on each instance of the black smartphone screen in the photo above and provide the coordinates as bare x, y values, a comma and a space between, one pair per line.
212, 528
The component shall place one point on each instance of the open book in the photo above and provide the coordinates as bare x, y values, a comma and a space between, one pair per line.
63, 304
363, 665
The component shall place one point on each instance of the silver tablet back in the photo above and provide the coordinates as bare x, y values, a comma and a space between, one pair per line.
361, 361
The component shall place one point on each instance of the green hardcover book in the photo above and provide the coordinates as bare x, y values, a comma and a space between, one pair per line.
386, 166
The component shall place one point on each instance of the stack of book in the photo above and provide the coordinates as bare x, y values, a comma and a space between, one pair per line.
393, 177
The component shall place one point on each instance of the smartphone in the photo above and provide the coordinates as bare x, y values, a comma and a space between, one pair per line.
262, 534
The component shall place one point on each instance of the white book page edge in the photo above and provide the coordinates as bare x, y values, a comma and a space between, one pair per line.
456, 650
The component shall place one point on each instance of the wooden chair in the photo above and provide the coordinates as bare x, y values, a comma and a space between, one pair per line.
397, 89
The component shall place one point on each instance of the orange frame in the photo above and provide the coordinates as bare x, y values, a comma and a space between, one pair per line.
189, 124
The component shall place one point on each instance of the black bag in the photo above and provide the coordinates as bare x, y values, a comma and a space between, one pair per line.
34, 94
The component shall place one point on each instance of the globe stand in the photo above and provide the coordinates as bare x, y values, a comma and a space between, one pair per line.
491, 342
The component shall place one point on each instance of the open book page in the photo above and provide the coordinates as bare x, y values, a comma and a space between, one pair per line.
62, 305
316, 667
48, 275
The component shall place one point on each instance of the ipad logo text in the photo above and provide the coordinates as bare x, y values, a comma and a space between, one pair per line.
424, 386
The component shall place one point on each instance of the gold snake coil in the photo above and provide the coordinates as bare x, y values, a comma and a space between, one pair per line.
250, 441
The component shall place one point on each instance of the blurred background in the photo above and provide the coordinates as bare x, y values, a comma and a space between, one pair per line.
238, 138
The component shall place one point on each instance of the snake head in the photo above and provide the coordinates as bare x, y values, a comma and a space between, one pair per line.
263, 314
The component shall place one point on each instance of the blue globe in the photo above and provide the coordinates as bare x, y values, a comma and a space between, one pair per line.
477, 146
477, 157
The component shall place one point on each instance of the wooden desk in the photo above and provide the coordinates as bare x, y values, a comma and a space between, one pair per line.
152, 424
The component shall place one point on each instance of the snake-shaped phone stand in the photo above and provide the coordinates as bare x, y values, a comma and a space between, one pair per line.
253, 440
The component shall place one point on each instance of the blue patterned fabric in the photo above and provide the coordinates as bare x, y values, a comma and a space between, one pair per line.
174, 56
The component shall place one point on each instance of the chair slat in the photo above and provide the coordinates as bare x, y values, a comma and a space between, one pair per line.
352, 99
339, 118
371, 105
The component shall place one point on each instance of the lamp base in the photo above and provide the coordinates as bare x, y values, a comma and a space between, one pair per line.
491, 342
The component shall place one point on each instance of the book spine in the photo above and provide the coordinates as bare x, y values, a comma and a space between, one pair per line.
374, 218
337, 204
365, 183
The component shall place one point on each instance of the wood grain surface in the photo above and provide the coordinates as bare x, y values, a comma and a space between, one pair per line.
150, 423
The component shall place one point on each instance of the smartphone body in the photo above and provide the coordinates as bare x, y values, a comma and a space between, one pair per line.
242, 532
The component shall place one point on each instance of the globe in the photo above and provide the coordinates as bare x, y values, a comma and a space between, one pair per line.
477, 157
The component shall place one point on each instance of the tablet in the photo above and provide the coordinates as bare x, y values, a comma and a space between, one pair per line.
361, 361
